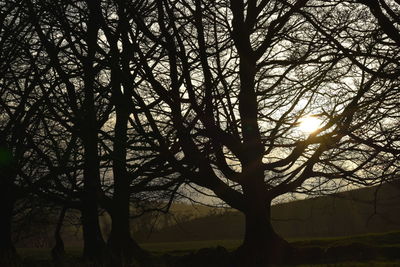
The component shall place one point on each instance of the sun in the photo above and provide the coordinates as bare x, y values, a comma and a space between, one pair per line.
309, 124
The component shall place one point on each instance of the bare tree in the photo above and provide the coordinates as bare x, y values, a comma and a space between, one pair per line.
19, 103
88, 142
236, 80
76, 89
138, 169
139, 96
385, 31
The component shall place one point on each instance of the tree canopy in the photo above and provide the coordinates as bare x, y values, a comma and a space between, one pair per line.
120, 102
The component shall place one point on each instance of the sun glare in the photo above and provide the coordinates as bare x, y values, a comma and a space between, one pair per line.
309, 124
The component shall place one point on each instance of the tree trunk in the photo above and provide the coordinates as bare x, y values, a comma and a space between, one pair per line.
8, 254
122, 246
120, 242
58, 251
262, 246
94, 246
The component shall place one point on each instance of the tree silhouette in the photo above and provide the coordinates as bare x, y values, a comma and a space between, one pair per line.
87, 147
114, 104
371, 43
236, 79
18, 106
80, 99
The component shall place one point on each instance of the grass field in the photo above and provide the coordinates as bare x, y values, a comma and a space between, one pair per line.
373, 239
158, 249
379, 242
344, 214
353, 212
382, 263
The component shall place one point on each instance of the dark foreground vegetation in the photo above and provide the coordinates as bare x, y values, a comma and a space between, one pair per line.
363, 250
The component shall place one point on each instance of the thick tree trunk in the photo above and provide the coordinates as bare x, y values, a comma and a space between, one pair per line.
8, 254
94, 246
122, 246
262, 246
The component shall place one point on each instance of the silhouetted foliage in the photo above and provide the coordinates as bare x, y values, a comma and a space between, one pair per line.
111, 104
234, 79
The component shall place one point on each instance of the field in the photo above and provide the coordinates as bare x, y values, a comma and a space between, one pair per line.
355, 212
381, 249
347, 229
345, 214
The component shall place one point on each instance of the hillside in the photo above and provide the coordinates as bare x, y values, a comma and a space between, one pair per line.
348, 213
372, 209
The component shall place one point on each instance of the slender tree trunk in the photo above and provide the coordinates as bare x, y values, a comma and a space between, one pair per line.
8, 254
58, 251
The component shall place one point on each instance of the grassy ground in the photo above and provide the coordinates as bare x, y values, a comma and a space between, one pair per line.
379, 243
382, 263
374, 239
391, 239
